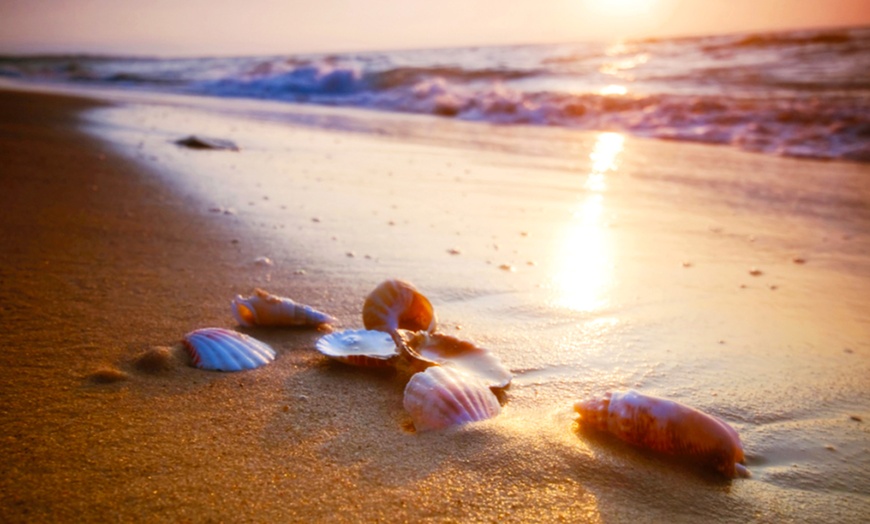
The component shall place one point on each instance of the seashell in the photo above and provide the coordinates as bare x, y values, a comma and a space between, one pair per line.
224, 350
360, 347
668, 427
478, 362
443, 396
264, 309
396, 304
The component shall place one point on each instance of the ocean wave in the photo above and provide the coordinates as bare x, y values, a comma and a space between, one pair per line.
799, 93
774, 39
804, 126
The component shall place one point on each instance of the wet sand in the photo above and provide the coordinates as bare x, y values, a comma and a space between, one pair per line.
110, 252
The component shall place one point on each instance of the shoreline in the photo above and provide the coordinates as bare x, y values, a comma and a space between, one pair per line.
107, 257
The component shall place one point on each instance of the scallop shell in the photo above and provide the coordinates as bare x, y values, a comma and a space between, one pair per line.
396, 304
478, 362
264, 309
443, 396
360, 347
667, 427
224, 350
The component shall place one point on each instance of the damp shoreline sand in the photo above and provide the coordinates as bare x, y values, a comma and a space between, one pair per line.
109, 255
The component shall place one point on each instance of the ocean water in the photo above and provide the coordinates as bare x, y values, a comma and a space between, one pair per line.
798, 93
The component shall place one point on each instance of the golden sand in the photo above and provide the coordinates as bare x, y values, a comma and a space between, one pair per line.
105, 268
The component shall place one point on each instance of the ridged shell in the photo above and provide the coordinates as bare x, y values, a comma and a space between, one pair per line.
359, 347
443, 396
265, 309
220, 349
396, 304
478, 362
668, 427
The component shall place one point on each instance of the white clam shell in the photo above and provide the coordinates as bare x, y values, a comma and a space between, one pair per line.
443, 396
220, 349
476, 361
265, 309
359, 347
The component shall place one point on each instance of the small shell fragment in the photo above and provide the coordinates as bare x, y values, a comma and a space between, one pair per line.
264, 309
443, 396
478, 362
220, 349
360, 347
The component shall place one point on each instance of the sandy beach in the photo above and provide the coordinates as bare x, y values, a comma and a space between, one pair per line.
730, 281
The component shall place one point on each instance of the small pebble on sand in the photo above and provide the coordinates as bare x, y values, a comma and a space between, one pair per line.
264, 261
107, 375
155, 360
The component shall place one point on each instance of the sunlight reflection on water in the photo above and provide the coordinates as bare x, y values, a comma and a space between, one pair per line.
585, 271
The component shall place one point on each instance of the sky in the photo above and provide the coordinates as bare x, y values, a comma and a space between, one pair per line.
244, 27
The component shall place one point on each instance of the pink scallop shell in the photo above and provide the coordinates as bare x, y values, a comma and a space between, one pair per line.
443, 396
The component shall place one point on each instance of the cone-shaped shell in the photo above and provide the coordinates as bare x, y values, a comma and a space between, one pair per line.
443, 396
359, 347
475, 361
264, 309
668, 427
224, 350
396, 304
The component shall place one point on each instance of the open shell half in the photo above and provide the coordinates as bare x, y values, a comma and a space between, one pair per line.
477, 362
360, 347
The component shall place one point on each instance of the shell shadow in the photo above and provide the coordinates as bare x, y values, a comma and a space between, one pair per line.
350, 417
354, 417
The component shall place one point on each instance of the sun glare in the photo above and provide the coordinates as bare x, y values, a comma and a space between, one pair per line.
613, 89
586, 251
